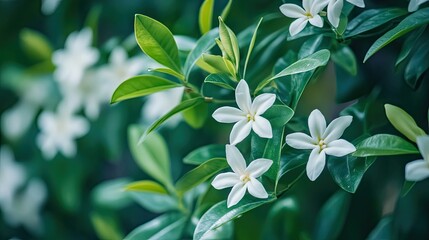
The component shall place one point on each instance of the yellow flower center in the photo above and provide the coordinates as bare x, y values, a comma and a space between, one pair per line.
308, 15
250, 117
321, 144
245, 178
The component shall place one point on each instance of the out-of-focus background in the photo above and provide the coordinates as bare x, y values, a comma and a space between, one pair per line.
64, 147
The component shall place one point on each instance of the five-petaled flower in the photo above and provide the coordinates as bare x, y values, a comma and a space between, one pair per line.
248, 115
309, 13
243, 178
419, 169
336, 6
323, 140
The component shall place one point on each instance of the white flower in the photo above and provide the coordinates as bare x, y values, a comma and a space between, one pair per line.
77, 56
12, 176
336, 6
419, 169
310, 13
59, 131
414, 5
49, 6
243, 178
248, 115
323, 140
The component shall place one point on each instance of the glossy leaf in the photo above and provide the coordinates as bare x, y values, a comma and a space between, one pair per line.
213, 64
151, 155
278, 115
417, 65
283, 220
384, 145
140, 86
332, 216
403, 122
251, 45
145, 186
222, 80
205, 153
168, 226
157, 42
169, 72
371, 19
411, 22
219, 215
346, 59
200, 174
35, 44
205, 16
409, 44
229, 43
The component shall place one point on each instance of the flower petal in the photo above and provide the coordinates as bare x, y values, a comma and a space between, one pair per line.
423, 144
256, 189
225, 180
318, 5
236, 194
316, 21
334, 11
292, 10
242, 96
339, 148
307, 4
240, 131
359, 3
235, 159
258, 167
262, 102
262, 127
297, 26
416, 170
336, 128
315, 164
316, 124
228, 115
300, 141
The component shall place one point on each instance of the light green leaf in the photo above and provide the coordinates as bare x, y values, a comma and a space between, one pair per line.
106, 226
222, 80
200, 174
35, 44
251, 45
332, 216
205, 16
213, 64
168, 226
346, 59
411, 22
157, 42
371, 19
145, 186
229, 43
205, 153
384, 145
219, 215
169, 72
403, 122
197, 115
140, 86
278, 115
151, 155
111, 194
315, 60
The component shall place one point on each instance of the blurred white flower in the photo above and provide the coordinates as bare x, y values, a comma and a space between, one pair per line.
336, 6
12, 176
309, 13
414, 5
26, 206
419, 169
72, 61
248, 115
59, 131
49, 6
323, 140
160, 103
242, 178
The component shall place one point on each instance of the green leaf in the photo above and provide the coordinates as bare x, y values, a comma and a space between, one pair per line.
222, 80
155, 202
346, 59
213, 64
278, 115
205, 16
348, 171
200, 174
403, 122
157, 42
168, 71
184, 105
332, 216
229, 43
151, 155
315, 60
106, 226
383, 230
205, 153
417, 65
251, 45
168, 226
283, 220
406, 188
195, 116
145, 186
411, 22
219, 215
203, 45
111, 194
371, 19
342, 25
36, 45
409, 44
384, 145
225, 11
140, 86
